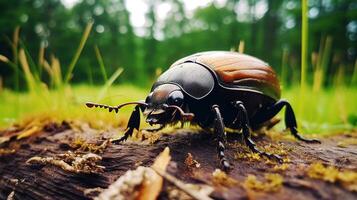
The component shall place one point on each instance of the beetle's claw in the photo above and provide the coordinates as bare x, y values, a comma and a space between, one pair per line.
275, 157
118, 141
312, 141
226, 166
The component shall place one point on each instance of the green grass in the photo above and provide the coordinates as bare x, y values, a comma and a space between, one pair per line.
68, 105
327, 111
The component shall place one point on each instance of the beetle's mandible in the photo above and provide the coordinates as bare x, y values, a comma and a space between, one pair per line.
215, 89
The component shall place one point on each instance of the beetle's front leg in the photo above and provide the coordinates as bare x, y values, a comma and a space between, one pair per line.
244, 120
221, 137
134, 123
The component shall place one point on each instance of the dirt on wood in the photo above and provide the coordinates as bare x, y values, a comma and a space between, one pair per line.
309, 171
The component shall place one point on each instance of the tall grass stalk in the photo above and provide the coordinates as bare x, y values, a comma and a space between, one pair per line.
304, 51
15, 45
101, 63
41, 56
321, 67
241, 46
78, 52
284, 70
108, 83
304, 42
340, 93
354, 75
30, 79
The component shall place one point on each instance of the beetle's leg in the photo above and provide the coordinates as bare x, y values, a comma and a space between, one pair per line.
154, 129
221, 137
290, 121
244, 120
134, 123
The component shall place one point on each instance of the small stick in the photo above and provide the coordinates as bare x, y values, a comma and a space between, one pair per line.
179, 184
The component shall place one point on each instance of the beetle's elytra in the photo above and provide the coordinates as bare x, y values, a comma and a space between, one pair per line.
215, 89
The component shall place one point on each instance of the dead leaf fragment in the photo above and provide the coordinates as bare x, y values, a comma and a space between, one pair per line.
151, 188
28, 132
141, 183
191, 163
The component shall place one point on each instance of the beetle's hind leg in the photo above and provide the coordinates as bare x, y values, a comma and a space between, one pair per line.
244, 120
134, 123
290, 121
221, 137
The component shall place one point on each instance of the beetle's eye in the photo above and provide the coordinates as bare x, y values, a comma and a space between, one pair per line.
175, 98
148, 98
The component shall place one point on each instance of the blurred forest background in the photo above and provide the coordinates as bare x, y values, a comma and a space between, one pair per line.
57, 54
171, 29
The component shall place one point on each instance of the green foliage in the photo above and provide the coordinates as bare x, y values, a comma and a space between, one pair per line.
267, 33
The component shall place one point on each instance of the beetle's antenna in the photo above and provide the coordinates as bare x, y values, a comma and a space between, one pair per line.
183, 114
115, 108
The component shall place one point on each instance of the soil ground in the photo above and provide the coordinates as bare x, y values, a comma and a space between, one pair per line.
51, 182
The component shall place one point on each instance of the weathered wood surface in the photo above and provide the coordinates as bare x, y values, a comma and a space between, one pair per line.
51, 182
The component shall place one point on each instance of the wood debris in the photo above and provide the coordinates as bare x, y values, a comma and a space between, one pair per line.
29, 132
151, 187
82, 145
71, 162
199, 192
4, 152
219, 177
191, 163
11, 196
141, 183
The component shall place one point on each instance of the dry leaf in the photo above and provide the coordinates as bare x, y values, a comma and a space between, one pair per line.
28, 132
141, 183
150, 189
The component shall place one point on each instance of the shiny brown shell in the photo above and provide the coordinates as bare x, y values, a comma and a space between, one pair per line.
238, 70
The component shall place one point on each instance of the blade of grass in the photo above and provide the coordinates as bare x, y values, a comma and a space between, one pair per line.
30, 80
340, 90
41, 56
78, 52
90, 75
241, 46
304, 42
110, 81
56, 69
36, 69
325, 58
15, 45
284, 66
304, 51
1, 85
101, 63
354, 75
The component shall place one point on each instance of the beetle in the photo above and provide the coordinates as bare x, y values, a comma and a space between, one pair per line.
215, 89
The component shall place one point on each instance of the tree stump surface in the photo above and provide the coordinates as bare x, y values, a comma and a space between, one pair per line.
26, 181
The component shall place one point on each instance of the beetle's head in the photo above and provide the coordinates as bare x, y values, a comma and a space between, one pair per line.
165, 104
162, 106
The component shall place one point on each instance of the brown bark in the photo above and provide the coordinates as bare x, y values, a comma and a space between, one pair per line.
52, 182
